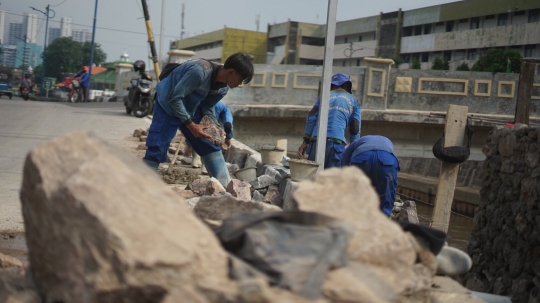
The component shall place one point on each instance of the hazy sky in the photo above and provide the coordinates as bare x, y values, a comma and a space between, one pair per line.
121, 24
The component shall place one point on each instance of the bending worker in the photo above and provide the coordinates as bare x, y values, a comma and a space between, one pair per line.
223, 113
374, 155
186, 93
344, 112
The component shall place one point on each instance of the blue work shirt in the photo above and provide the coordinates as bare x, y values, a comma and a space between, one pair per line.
189, 85
85, 79
223, 113
344, 109
366, 143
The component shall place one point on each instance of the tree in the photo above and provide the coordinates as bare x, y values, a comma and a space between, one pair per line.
415, 63
496, 61
37, 73
463, 67
63, 56
437, 64
446, 64
99, 55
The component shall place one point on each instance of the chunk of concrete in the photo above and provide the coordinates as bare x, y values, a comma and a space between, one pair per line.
192, 202
289, 204
263, 182
376, 241
272, 196
198, 186
142, 138
138, 132
220, 208
239, 189
277, 172
142, 147
111, 225
213, 187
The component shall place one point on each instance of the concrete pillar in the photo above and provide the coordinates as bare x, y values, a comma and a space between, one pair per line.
372, 87
119, 86
179, 56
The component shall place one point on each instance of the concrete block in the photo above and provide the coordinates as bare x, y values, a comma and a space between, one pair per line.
288, 202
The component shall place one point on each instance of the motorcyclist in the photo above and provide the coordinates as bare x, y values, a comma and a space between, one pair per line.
26, 83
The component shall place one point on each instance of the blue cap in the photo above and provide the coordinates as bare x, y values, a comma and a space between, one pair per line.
339, 79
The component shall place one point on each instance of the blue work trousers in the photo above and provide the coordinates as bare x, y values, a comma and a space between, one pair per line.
332, 157
381, 168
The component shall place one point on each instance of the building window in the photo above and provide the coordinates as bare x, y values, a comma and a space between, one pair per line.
357, 62
343, 63
447, 55
520, 13
425, 57
418, 30
345, 40
359, 38
530, 51
503, 20
449, 26
534, 15
475, 23
427, 29
471, 54
407, 31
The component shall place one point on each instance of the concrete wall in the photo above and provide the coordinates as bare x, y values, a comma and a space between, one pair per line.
362, 49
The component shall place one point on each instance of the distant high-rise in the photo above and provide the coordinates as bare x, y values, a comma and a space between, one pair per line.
54, 33
81, 35
31, 56
2, 26
30, 27
7, 58
15, 31
66, 27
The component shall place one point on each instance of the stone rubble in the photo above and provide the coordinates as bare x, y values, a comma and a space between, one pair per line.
142, 147
186, 194
272, 196
239, 189
257, 196
214, 187
222, 207
9, 261
263, 182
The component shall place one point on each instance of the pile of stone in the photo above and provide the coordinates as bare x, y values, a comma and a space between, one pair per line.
102, 229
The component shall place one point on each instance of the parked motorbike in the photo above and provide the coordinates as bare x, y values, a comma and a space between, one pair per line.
138, 98
25, 94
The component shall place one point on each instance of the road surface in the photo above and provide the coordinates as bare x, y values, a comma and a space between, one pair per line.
26, 124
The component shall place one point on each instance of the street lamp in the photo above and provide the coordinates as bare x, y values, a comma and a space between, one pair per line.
351, 52
47, 17
24, 50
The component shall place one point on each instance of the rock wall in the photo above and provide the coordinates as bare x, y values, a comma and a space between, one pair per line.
505, 243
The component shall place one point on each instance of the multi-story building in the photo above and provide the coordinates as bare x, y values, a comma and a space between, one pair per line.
15, 31
66, 27
219, 45
2, 26
8, 56
31, 55
54, 33
81, 35
30, 27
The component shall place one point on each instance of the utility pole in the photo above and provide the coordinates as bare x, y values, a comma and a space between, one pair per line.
258, 20
182, 22
161, 31
47, 17
525, 86
24, 51
151, 39
92, 50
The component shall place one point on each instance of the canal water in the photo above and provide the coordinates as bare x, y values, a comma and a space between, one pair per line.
459, 230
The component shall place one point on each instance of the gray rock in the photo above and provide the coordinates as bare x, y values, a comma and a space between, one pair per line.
272, 196
184, 193
115, 241
263, 182
257, 196
138, 132
142, 147
277, 172
220, 208
289, 204
198, 186
213, 187
191, 202
186, 161
239, 189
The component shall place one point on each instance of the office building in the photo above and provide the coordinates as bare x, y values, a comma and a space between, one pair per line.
66, 27
54, 33
31, 55
15, 31
8, 56
30, 27
81, 35
2, 26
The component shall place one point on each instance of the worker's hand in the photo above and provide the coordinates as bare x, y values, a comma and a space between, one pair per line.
302, 150
228, 142
187, 151
197, 130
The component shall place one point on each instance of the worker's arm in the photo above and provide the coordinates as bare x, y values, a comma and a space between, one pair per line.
347, 154
355, 124
311, 123
189, 81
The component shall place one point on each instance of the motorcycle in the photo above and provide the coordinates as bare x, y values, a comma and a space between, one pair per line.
73, 89
138, 99
25, 94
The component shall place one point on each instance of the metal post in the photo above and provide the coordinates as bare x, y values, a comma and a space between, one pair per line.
161, 31
326, 80
92, 52
44, 53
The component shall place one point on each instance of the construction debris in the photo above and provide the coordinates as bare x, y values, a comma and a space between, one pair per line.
239, 189
222, 207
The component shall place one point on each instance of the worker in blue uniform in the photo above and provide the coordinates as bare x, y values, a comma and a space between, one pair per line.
374, 155
223, 113
186, 93
344, 112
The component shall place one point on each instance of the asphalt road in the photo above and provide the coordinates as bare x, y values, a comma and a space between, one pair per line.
26, 124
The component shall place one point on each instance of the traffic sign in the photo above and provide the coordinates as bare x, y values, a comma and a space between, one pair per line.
48, 83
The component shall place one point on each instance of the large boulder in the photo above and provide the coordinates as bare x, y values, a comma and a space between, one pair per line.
222, 207
100, 230
376, 242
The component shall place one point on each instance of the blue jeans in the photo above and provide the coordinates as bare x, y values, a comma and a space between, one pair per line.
332, 157
381, 168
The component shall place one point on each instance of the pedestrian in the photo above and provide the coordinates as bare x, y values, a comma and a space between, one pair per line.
374, 155
344, 112
84, 81
223, 113
186, 93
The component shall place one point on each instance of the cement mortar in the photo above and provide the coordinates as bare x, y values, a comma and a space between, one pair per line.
179, 175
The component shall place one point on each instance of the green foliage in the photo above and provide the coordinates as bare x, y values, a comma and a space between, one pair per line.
66, 56
99, 55
415, 63
446, 64
496, 61
398, 61
37, 73
463, 67
437, 64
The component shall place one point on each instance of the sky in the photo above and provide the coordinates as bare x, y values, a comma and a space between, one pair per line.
121, 27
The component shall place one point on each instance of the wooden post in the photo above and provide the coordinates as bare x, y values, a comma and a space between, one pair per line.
525, 85
454, 131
